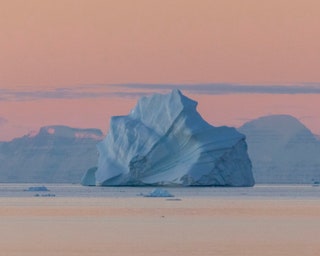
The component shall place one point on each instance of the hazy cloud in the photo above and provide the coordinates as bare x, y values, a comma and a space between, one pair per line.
72, 92
3, 121
137, 90
309, 88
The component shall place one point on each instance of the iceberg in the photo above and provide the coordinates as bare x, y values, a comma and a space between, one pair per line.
165, 142
54, 154
282, 150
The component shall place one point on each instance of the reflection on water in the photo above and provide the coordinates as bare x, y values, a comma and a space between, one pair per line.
76, 190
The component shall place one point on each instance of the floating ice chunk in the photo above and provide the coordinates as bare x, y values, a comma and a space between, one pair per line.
159, 192
39, 188
44, 195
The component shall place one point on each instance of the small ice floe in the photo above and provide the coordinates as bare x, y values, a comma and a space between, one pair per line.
159, 192
44, 195
39, 188
173, 199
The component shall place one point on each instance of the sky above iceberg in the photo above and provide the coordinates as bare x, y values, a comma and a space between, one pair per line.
78, 62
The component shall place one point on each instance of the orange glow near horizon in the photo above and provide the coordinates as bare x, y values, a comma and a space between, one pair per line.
218, 110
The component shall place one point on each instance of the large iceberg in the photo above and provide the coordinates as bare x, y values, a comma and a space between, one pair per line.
164, 141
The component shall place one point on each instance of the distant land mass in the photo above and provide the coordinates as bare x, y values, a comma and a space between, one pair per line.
55, 154
282, 150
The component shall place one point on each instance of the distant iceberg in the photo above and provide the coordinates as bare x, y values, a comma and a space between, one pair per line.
282, 150
54, 154
165, 142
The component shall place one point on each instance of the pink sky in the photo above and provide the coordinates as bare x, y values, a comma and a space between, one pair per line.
66, 43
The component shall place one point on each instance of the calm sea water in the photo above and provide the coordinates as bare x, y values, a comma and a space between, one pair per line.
76, 190
265, 220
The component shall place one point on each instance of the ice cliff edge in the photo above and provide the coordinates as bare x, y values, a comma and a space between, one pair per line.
164, 141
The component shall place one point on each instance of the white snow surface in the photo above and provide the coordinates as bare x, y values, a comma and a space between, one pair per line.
165, 141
